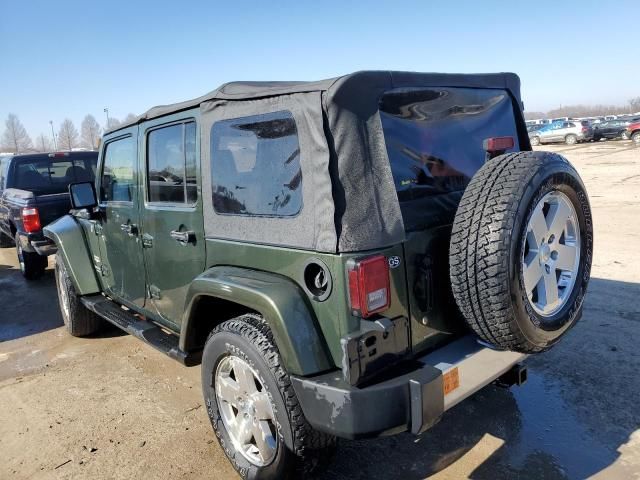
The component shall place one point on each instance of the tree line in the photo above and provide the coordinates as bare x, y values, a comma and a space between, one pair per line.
15, 138
633, 106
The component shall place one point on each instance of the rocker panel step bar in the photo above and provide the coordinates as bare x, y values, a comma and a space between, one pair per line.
146, 331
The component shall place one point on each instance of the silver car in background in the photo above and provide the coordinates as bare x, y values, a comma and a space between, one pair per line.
569, 132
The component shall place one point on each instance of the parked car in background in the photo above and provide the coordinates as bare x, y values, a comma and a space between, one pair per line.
34, 191
568, 132
613, 129
633, 132
535, 127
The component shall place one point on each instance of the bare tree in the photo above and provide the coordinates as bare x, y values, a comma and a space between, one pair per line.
130, 118
113, 123
90, 132
15, 138
634, 105
43, 143
67, 136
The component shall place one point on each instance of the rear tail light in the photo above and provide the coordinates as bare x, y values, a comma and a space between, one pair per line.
369, 290
498, 144
31, 220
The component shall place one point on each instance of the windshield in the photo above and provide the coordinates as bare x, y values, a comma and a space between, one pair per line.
45, 176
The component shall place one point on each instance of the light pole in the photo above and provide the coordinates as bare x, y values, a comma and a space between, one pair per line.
106, 110
53, 134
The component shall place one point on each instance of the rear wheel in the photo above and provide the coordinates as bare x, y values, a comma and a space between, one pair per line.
31, 264
535, 141
636, 137
571, 140
252, 406
5, 241
521, 250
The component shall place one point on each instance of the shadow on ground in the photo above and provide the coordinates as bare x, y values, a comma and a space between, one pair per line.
569, 421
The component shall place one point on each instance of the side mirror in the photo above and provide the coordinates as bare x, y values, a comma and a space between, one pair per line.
83, 195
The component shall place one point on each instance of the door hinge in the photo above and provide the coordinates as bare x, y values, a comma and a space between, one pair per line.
104, 270
147, 241
154, 292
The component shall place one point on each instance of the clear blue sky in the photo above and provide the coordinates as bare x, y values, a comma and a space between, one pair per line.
68, 58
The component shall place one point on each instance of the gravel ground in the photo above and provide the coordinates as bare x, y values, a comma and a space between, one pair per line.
112, 407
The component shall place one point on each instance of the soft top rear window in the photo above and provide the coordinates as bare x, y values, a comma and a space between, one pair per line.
434, 138
49, 175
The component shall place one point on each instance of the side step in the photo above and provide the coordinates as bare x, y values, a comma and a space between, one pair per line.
146, 331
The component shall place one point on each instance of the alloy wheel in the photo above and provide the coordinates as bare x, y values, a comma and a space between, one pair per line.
246, 410
551, 254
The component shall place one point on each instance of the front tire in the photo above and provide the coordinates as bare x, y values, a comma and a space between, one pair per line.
31, 264
252, 406
79, 320
636, 138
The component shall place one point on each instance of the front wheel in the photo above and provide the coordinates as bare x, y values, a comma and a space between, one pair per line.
31, 264
252, 406
79, 320
636, 138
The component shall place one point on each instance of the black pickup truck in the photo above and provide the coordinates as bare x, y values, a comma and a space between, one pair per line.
33, 193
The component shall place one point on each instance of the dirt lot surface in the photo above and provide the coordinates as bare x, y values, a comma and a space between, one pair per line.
112, 407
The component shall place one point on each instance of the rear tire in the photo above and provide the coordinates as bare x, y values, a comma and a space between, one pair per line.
514, 295
535, 141
636, 138
5, 241
79, 320
244, 348
571, 140
31, 264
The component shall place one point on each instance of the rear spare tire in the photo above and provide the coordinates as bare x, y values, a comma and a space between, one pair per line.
521, 248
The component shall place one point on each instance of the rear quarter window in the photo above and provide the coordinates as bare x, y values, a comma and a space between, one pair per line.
255, 166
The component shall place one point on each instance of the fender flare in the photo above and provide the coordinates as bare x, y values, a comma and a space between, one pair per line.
68, 235
282, 304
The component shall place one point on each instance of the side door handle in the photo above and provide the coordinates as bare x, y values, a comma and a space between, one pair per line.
130, 229
183, 238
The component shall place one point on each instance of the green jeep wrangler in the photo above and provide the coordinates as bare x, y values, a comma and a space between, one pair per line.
345, 258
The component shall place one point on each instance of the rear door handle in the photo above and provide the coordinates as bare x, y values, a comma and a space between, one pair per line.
130, 229
183, 238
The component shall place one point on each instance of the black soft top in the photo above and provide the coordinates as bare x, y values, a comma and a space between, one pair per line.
351, 89
349, 196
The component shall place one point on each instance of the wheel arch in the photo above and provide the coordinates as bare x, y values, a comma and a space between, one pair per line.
68, 236
226, 292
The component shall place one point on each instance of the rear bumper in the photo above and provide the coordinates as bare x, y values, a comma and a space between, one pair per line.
412, 401
36, 242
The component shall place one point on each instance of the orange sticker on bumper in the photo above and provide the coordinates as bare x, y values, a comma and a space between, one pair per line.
450, 380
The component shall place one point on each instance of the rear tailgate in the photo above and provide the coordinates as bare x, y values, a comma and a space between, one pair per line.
51, 207
435, 144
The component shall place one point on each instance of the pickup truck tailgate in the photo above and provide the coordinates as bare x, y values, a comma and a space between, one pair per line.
52, 207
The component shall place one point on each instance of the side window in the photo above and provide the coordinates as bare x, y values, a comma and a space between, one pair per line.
3, 167
171, 163
255, 165
118, 172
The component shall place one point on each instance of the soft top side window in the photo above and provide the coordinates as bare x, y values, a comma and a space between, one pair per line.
255, 165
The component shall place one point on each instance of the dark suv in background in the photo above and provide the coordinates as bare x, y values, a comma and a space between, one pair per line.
612, 129
34, 191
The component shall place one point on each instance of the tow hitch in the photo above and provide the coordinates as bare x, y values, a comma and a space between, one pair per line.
516, 376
